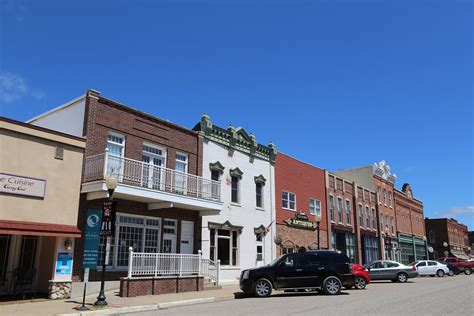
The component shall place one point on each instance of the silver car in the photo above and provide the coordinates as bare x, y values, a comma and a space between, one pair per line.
390, 270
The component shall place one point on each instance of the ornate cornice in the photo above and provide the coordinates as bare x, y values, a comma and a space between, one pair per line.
236, 172
260, 179
217, 166
236, 139
382, 170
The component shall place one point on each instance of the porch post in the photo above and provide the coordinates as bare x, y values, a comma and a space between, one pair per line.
106, 161
130, 262
200, 261
218, 270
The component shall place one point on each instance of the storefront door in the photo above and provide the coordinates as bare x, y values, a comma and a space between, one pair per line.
169, 243
187, 237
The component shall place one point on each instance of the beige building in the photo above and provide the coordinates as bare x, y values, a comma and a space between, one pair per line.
40, 178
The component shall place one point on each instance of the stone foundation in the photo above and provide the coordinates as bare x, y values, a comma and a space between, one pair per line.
160, 285
59, 290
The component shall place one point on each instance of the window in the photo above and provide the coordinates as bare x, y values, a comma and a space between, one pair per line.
367, 217
59, 154
259, 242
224, 246
421, 264
259, 195
235, 189
374, 219
331, 207
288, 200
154, 159
140, 233
180, 178
381, 222
348, 212
339, 209
392, 225
390, 199
116, 148
5, 241
315, 207
384, 197
360, 215
350, 251
290, 261
432, 263
379, 195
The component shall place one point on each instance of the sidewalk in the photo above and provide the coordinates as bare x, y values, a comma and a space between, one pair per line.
116, 302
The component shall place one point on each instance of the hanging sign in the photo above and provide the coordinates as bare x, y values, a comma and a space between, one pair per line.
91, 239
300, 222
108, 218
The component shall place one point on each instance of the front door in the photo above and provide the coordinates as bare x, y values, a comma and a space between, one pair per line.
187, 237
169, 243
153, 172
289, 273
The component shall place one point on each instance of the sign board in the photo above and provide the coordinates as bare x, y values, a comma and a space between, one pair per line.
19, 185
108, 218
300, 223
64, 264
430, 249
302, 216
91, 239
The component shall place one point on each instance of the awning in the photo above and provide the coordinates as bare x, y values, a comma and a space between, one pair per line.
38, 229
460, 255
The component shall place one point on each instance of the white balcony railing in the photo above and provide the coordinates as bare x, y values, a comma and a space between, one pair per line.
143, 174
142, 264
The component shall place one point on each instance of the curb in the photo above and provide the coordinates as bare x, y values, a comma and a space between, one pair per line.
142, 308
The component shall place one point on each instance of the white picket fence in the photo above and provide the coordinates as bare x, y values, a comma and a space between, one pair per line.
158, 264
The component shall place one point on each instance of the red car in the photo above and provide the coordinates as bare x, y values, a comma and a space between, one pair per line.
362, 277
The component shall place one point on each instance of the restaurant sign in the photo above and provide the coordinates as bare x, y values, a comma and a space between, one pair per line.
19, 185
301, 221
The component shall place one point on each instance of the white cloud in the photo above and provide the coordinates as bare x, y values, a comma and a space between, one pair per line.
456, 211
14, 87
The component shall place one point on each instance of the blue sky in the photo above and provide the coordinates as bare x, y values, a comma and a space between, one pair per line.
338, 84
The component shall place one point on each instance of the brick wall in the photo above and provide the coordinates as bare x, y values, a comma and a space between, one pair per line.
307, 182
160, 285
409, 214
299, 237
105, 115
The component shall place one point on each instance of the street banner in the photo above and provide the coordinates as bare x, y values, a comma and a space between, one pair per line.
91, 239
108, 218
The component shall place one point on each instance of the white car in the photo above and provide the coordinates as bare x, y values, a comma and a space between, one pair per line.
430, 267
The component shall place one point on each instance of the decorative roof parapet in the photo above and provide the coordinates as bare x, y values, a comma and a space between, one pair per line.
235, 139
382, 169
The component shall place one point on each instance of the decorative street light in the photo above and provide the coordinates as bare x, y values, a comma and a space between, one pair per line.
318, 220
426, 248
106, 229
446, 252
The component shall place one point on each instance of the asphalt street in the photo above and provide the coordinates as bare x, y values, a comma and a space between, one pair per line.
420, 296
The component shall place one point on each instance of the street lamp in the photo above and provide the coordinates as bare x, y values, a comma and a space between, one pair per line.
426, 247
111, 184
446, 252
318, 220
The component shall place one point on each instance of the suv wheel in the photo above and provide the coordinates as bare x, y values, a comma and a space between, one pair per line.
332, 285
467, 271
402, 277
360, 283
440, 273
262, 288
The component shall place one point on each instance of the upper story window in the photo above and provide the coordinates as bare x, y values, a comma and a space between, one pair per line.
288, 200
367, 217
374, 219
331, 207
315, 207
360, 215
259, 194
116, 144
379, 194
384, 197
386, 221
392, 224
154, 155
390, 198
235, 189
181, 163
339, 209
348, 212
381, 222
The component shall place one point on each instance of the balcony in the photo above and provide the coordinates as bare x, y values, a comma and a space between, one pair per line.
143, 182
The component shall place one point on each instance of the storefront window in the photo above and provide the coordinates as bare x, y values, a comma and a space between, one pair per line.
350, 250
5, 241
224, 246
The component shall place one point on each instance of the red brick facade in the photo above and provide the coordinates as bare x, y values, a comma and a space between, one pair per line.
441, 230
306, 182
409, 213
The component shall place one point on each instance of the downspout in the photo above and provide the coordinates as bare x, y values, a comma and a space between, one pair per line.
273, 217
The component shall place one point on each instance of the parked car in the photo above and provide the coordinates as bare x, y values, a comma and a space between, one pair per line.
453, 269
430, 267
390, 270
361, 277
316, 269
464, 266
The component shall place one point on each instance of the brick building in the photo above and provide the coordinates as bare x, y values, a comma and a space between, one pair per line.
300, 205
446, 234
352, 218
161, 196
410, 225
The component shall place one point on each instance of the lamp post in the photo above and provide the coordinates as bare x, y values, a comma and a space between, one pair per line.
446, 252
388, 242
111, 183
426, 248
318, 220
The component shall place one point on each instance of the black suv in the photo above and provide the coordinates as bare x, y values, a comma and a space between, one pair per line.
325, 269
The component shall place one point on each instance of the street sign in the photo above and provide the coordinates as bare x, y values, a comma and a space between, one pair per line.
91, 239
108, 218
430, 249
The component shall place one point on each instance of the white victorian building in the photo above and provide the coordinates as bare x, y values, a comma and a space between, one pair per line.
241, 235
